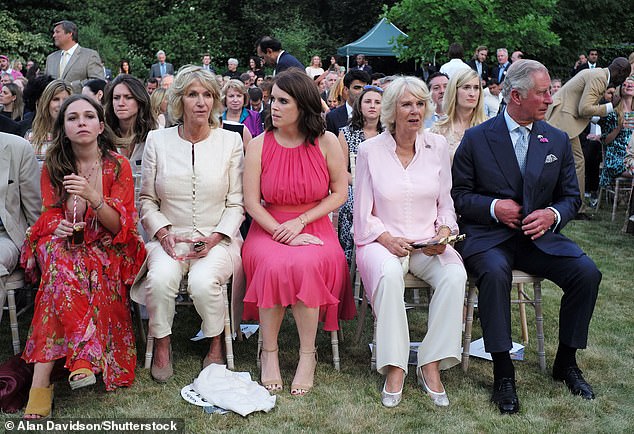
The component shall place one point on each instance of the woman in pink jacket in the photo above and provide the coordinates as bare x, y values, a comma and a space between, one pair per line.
403, 180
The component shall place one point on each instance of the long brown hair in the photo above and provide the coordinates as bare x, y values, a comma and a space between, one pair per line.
60, 157
298, 85
145, 119
18, 104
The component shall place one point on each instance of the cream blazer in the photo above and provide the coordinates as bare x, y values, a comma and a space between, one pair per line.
578, 101
170, 196
195, 188
20, 198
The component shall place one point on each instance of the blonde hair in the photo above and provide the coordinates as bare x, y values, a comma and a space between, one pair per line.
450, 100
620, 108
184, 78
336, 91
237, 85
156, 99
43, 122
395, 91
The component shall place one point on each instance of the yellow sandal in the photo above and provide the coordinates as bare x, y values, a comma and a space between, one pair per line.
88, 380
40, 403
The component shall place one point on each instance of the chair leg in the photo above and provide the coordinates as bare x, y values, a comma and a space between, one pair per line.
228, 334
3, 298
599, 198
13, 317
539, 322
466, 343
522, 307
149, 349
334, 342
617, 185
373, 356
361, 317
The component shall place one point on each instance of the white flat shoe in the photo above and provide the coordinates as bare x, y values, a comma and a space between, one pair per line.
439, 399
391, 399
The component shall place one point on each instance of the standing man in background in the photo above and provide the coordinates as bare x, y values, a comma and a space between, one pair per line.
72, 63
577, 101
270, 49
161, 68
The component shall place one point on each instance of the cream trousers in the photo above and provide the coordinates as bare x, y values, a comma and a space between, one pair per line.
444, 326
205, 278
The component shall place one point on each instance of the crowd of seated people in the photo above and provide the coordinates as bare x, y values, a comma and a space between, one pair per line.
290, 168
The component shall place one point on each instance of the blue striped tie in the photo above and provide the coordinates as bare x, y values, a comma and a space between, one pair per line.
521, 148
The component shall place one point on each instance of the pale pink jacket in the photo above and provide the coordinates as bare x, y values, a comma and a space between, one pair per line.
411, 202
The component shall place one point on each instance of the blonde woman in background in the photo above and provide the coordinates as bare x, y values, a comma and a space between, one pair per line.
315, 69
158, 101
46, 111
335, 95
464, 105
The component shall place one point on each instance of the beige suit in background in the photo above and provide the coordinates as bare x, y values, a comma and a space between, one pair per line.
572, 108
83, 65
210, 202
20, 200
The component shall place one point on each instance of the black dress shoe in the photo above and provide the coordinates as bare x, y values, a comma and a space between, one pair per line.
574, 380
505, 396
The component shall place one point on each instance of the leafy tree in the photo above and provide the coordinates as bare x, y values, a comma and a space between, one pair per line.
601, 24
432, 26
16, 42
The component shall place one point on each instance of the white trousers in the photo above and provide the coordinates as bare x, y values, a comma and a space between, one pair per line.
205, 278
444, 326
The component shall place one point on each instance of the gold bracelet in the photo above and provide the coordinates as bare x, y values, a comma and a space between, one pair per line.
302, 220
163, 237
98, 207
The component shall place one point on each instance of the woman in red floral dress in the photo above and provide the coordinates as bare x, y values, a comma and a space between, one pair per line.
82, 311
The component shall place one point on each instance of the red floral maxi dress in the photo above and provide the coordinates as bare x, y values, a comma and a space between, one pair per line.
82, 310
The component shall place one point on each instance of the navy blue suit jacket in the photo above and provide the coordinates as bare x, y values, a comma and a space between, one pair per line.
337, 118
287, 61
485, 168
496, 71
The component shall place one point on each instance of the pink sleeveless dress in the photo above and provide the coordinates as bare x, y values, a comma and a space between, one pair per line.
293, 180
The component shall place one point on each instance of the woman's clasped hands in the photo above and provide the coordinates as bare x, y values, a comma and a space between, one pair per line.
290, 232
198, 247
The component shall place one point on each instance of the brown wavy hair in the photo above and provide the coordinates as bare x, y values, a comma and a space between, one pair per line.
302, 88
60, 157
145, 119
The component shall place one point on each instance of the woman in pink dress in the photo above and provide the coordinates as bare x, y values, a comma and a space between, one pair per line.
295, 175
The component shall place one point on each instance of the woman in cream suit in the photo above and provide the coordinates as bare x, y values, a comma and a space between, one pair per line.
402, 197
191, 208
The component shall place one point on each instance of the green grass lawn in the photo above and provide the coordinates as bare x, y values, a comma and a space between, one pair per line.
348, 401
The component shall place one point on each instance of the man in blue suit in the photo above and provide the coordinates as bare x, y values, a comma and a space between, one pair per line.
353, 84
515, 188
270, 49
